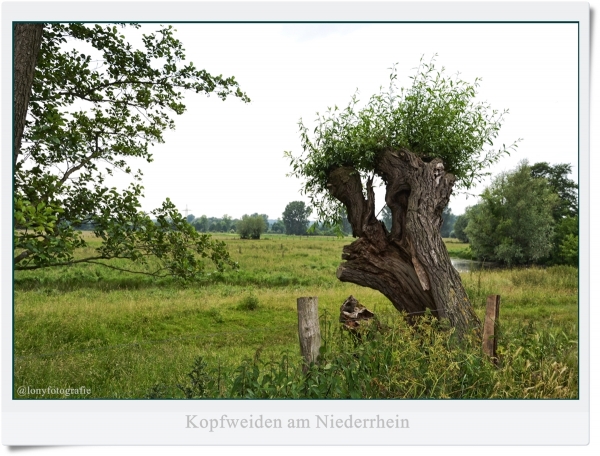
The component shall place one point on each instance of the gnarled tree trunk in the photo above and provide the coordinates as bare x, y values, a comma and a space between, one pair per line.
27, 42
409, 265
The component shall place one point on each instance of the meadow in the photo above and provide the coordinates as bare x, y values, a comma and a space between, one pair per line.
234, 334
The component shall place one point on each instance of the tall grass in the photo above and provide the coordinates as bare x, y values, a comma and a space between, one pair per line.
395, 360
130, 336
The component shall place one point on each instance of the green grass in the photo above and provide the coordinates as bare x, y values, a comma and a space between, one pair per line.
458, 249
130, 336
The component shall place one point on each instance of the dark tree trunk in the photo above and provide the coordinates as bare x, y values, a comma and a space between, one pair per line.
27, 42
409, 265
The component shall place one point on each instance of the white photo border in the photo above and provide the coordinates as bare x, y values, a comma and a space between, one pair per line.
139, 422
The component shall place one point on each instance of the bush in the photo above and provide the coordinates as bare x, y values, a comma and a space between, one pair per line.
251, 227
249, 303
513, 223
216, 316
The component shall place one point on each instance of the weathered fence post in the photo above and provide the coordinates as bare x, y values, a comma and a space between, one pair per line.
490, 338
309, 332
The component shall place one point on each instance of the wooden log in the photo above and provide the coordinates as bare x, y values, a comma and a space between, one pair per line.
353, 314
309, 332
490, 338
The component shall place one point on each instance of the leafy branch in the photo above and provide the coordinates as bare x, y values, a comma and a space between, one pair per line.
83, 114
437, 117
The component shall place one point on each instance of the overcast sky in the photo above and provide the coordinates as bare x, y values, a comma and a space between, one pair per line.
226, 157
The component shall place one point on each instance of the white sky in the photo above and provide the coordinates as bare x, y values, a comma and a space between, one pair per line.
226, 157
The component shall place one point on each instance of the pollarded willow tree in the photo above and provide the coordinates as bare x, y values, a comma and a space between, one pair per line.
421, 142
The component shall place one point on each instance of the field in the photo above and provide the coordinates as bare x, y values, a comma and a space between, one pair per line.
235, 334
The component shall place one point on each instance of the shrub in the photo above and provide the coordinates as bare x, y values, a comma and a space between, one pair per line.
198, 380
215, 314
251, 227
513, 222
250, 302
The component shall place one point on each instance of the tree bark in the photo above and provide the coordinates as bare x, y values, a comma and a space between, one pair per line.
27, 42
410, 264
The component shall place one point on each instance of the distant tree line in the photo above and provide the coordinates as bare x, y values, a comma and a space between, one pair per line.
294, 221
224, 224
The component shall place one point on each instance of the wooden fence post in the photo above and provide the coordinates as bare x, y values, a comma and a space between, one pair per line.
490, 338
309, 332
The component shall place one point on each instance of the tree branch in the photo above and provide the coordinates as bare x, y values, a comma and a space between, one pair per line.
128, 82
24, 254
90, 260
86, 160
66, 263
345, 185
153, 274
